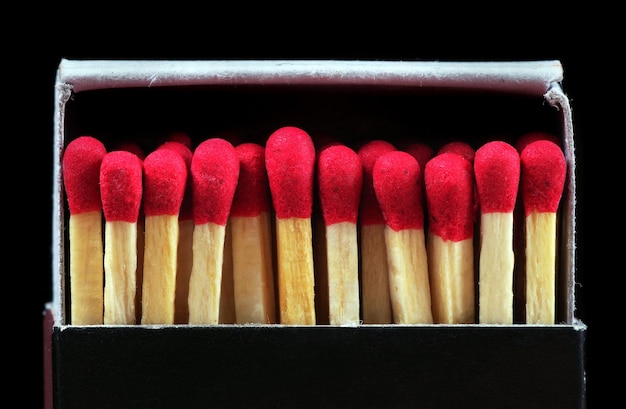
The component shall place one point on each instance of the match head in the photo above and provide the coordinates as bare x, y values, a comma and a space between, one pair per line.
340, 180
181, 137
497, 173
369, 211
396, 177
81, 174
449, 184
543, 171
420, 151
186, 207
121, 186
214, 175
252, 195
530, 137
459, 147
290, 164
131, 147
165, 178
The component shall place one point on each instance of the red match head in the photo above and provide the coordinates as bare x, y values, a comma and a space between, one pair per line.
420, 151
81, 174
340, 180
369, 211
543, 170
497, 173
186, 207
396, 177
290, 164
165, 177
121, 186
131, 147
214, 175
461, 148
449, 184
181, 137
530, 137
252, 196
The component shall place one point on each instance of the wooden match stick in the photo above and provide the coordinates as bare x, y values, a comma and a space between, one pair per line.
134, 147
214, 174
396, 178
449, 184
184, 257
543, 171
290, 164
497, 173
340, 181
81, 177
121, 188
375, 293
165, 176
251, 232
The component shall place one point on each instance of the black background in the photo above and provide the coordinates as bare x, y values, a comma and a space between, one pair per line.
396, 36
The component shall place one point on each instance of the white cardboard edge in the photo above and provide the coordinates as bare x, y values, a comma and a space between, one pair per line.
533, 77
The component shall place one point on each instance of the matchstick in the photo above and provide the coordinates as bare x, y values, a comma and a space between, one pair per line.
519, 238
497, 173
543, 171
184, 256
290, 165
121, 189
214, 174
134, 147
320, 261
375, 293
250, 220
449, 184
81, 177
165, 176
396, 178
340, 180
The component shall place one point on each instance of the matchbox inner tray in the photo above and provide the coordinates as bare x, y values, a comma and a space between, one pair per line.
319, 366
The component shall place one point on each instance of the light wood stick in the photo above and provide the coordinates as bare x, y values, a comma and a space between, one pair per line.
397, 185
81, 163
497, 170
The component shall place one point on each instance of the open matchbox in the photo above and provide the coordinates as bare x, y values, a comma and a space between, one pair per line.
320, 366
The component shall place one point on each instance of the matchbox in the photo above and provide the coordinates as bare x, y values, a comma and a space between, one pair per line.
229, 364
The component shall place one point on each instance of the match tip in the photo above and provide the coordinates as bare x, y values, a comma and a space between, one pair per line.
449, 184
252, 193
165, 178
214, 174
396, 176
530, 137
81, 174
186, 207
497, 173
543, 170
121, 186
369, 212
181, 137
131, 147
290, 163
340, 180
460, 148
420, 151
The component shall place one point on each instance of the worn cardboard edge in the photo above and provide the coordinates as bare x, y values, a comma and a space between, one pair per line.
533, 77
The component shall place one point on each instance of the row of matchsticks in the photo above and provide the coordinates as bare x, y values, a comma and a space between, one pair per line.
290, 233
